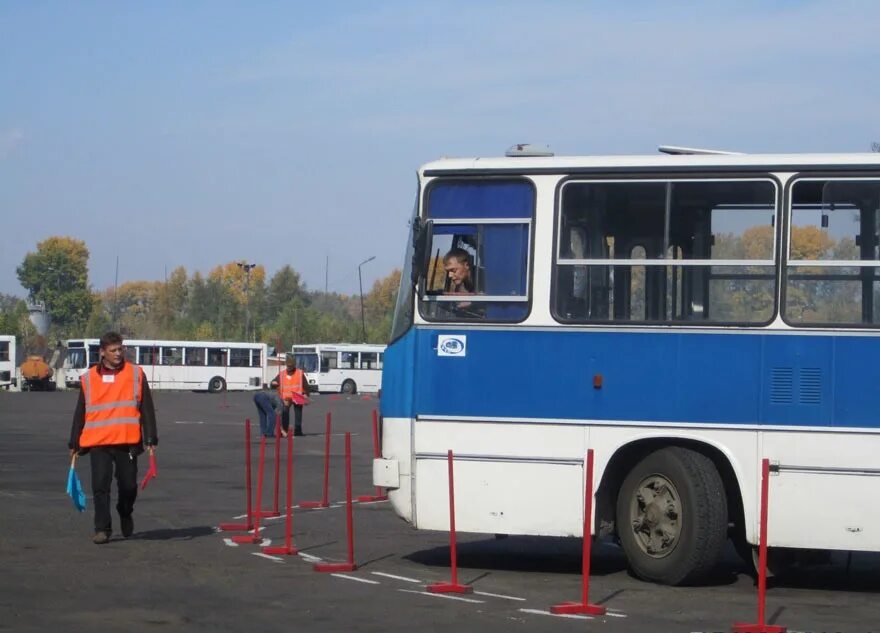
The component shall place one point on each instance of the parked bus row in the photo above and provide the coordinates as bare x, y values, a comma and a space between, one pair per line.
218, 366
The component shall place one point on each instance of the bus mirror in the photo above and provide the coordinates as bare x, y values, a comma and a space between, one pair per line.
422, 234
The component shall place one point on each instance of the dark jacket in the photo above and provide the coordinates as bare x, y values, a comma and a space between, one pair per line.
149, 434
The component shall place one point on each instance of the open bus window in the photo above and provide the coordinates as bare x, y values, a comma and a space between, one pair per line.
833, 272
477, 261
239, 357
195, 356
666, 251
172, 356
216, 357
148, 355
329, 361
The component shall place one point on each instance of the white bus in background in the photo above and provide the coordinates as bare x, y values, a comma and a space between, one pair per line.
186, 365
341, 368
7, 361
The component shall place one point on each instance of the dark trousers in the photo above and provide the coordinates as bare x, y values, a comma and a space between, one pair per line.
267, 413
297, 418
103, 459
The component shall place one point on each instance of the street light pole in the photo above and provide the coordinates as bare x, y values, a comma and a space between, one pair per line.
247, 299
361, 286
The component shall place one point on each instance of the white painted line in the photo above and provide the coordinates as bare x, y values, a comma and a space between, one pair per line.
498, 595
240, 516
310, 558
229, 542
274, 518
403, 578
558, 615
189, 422
266, 542
444, 595
262, 527
366, 580
615, 615
267, 556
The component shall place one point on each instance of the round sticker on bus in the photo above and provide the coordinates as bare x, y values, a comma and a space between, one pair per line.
448, 345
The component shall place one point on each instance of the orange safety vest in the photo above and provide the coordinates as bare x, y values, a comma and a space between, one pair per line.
113, 414
290, 384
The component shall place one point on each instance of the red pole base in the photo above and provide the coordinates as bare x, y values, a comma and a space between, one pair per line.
268, 513
281, 550
449, 587
334, 567
313, 504
567, 608
739, 627
235, 527
372, 498
247, 539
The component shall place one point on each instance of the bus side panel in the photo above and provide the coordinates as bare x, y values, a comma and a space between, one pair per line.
501, 497
398, 377
819, 509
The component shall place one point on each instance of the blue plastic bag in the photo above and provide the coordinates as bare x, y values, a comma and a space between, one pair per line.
75, 489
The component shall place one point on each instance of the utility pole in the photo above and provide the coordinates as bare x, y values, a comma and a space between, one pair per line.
247, 299
361, 285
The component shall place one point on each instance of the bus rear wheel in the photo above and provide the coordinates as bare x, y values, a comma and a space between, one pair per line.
349, 387
216, 385
672, 516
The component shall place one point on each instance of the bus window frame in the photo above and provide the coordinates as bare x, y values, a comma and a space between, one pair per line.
419, 295
786, 247
779, 249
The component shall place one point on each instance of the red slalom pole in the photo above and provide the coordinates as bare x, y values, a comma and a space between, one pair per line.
349, 565
377, 453
761, 626
325, 499
452, 586
255, 537
244, 527
584, 606
287, 549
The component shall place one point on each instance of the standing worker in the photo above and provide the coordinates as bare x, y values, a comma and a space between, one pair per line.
292, 387
114, 419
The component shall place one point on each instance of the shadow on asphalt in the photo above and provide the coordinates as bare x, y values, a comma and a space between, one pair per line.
169, 534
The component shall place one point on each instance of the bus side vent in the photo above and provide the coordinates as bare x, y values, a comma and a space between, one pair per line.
781, 385
811, 385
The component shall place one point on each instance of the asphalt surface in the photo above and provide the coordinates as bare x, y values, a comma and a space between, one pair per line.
178, 573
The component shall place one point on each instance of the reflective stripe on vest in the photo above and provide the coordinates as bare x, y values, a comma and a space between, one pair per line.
112, 408
291, 384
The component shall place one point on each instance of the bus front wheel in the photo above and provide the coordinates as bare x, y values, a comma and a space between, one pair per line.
216, 385
349, 387
672, 516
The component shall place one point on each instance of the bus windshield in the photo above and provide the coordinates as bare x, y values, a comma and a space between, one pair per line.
307, 362
76, 358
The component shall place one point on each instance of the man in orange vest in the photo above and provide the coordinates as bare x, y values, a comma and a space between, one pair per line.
114, 419
292, 388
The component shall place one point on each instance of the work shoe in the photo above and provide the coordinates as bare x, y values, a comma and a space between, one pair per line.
127, 525
298, 433
100, 538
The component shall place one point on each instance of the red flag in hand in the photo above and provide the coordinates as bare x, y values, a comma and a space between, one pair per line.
299, 399
151, 471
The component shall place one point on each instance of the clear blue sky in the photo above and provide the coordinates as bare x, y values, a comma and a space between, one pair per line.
197, 133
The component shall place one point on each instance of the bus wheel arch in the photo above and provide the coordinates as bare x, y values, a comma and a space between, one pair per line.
349, 387
697, 474
216, 384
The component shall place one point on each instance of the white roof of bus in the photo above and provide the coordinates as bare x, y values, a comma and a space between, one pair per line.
665, 161
335, 347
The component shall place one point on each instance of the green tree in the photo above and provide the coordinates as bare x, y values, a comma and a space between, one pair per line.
57, 275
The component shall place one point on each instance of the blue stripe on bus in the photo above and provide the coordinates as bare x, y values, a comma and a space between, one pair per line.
790, 379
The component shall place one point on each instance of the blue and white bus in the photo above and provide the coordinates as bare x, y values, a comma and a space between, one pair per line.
684, 315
